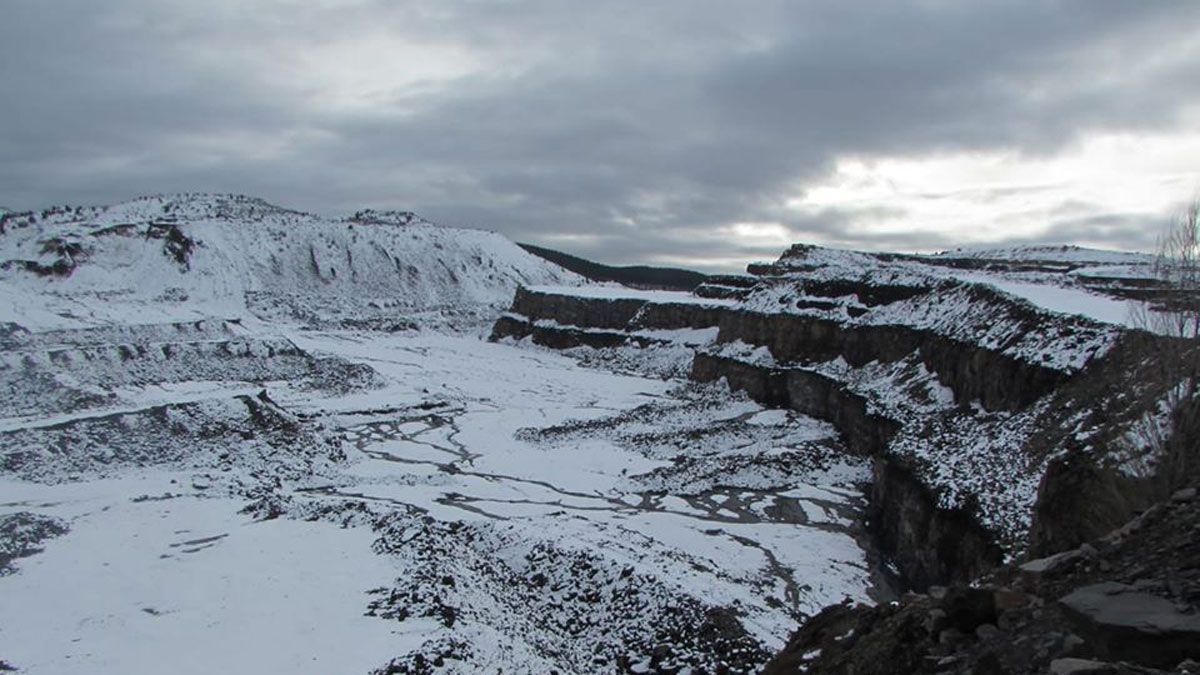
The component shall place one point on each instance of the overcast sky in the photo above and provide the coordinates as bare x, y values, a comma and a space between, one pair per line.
686, 132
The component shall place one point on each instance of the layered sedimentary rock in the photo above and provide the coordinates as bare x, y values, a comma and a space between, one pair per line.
970, 391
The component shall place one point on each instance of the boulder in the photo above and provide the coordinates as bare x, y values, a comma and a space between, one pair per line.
1121, 623
1079, 667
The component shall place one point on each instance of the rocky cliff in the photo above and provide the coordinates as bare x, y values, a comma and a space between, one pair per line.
971, 391
1123, 603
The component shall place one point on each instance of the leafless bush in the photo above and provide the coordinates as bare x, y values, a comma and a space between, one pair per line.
1176, 448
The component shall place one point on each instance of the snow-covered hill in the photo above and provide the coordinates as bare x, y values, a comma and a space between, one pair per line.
184, 257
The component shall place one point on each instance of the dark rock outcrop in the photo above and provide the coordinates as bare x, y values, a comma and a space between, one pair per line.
1126, 603
566, 337
768, 386
614, 313
21, 536
1128, 625
997, 381
611, 313
1079, 501
930, 544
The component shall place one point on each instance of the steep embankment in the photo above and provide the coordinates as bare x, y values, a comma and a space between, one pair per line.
970, 392
1124, 603
638, 276
185, 257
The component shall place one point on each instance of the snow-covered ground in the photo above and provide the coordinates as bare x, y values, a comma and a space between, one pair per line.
498, 507
186, 584
239, 438
1065, 299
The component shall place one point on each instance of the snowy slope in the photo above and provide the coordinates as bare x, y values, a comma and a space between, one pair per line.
1065, 254
1066, 281
183, 257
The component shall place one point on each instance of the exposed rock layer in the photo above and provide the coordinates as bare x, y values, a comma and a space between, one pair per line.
904, 515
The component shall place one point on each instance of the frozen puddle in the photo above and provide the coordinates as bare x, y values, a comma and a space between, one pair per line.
508, 509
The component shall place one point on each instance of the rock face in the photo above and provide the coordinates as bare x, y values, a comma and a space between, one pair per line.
640, 312
1079, 501
1127, 602
995, 426
996, 430
973, 373
805, 391
611, 313
930, 544
918, 636
565, 337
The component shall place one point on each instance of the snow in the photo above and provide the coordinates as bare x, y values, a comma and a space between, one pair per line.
277, 443
452, 435
188, 585
1053, 289
1064, 300
1035, 318
757, 355
247, 258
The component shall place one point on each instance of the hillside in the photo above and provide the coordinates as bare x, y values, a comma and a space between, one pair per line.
636, 276
183, 257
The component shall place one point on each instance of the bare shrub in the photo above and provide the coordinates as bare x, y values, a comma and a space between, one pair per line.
1176, 318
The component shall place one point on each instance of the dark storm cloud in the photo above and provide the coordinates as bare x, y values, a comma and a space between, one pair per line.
645, 133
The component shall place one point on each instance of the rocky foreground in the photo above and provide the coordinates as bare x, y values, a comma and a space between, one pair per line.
1125, 603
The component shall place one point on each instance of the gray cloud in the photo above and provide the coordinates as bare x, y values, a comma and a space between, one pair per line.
650, 131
